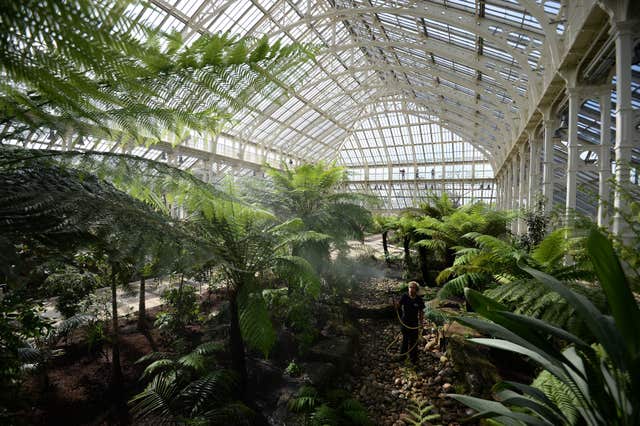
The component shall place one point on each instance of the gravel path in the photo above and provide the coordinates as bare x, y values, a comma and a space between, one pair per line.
388, 387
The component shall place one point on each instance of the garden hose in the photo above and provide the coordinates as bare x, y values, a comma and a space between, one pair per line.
418, 327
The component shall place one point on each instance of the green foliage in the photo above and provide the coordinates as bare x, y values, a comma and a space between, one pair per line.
293, 369
441, 234
182, 310
528, 297
251, 244
604, 379
255, 322
418, 413
536, 220
336, 407
559, 393
189, 389
70, 286
306, 399
65, 73
19, 322
311, 192
487, 260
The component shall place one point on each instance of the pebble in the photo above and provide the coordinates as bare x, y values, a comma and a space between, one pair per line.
386, 387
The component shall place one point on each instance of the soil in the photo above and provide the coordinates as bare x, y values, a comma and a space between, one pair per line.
78, 392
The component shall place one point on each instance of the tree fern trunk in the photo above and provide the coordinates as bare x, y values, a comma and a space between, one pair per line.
424, 269
142, 314
116, 370
142, 305
236, 342
407, 253
385, 247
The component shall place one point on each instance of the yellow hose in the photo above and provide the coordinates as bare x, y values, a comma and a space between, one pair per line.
418, 327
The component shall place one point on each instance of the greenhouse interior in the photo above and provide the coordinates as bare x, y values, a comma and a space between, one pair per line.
320, 212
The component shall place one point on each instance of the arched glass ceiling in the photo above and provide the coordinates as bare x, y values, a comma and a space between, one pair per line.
394, 85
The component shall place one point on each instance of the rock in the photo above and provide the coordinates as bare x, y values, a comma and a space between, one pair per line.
446, 387
320, 374
338, 350
397, 381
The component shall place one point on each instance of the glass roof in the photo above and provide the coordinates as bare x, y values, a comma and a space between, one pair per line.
431, 87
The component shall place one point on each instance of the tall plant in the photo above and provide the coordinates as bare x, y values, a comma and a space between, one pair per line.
313, 193
248, 243
603, 379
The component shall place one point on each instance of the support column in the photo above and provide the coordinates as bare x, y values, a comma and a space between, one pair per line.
390, 186
522, 181
572, 153
514, 182
547, 162
499, 186
534, 169
624, 124
507, 185
604, 158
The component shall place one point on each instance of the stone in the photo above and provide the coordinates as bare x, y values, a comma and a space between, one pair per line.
446, 387
320, 374
338, 351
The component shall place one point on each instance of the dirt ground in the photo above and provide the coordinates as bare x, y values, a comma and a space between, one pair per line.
78, 391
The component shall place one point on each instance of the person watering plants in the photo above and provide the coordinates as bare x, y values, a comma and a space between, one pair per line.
410, 311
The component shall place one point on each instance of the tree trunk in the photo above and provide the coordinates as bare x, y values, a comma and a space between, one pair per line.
407, 253
116, 370
236, 342
142, 307
385, 247
422, 253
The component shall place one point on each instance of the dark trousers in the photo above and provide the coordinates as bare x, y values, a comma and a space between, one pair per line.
409, 341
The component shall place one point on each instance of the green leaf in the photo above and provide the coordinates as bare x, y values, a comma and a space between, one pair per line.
614, 282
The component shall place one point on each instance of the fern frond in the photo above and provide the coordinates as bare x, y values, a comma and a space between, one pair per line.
418, 413
157, 367
234, 413
255, 323
324, 415
156, 400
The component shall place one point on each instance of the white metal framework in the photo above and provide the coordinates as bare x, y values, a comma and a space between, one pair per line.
419, 97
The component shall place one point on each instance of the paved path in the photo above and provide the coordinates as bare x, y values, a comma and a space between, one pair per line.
128, 298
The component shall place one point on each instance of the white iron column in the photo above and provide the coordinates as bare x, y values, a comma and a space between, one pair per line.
547, 163
572, 152
522, 184
501, 189
624, 123
514, 184
534, 168
508, 185
604, 159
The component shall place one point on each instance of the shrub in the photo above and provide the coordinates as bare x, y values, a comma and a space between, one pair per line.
71, 287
